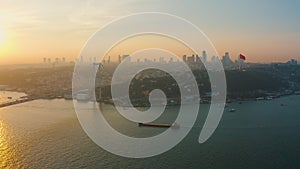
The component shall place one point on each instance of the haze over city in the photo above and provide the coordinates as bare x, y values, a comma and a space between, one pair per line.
264, 31
150, 84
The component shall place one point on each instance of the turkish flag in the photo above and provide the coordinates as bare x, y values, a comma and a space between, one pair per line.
242, 57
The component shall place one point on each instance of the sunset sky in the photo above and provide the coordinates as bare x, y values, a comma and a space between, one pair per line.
265, 31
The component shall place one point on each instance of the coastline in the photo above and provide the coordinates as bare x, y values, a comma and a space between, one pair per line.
137, 103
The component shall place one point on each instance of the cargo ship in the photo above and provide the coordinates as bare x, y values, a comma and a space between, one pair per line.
161, 125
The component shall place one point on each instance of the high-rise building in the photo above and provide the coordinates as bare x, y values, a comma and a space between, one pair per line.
226, 61
120, 59
161, 60
191, 59
57, 60
184, 58
204, 56
198, 59
292, 62
215, 59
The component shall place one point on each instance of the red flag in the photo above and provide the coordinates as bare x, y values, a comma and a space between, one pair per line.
242, 57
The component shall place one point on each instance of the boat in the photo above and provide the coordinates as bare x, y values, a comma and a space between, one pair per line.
161, 125
82, 97
260, 98
68, 96
232, 110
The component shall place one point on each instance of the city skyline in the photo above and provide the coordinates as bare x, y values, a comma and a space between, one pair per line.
264, 31
187, 58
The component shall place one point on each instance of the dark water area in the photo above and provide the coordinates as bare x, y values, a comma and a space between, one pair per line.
47, 134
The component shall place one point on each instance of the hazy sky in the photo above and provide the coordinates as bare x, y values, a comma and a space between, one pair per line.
264, 30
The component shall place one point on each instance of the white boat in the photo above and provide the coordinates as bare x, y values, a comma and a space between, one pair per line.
260, 98
82, 97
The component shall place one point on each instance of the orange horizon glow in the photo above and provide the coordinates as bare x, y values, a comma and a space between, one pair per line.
25, 53
23, 49
47, 30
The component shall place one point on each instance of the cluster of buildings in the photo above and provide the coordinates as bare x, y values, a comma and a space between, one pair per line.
197, 61
55, 61
194, 61
227, 62
292, 62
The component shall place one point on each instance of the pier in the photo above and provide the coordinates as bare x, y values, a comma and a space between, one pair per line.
18, 101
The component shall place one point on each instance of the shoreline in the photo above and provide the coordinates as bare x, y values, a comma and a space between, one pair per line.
27, 98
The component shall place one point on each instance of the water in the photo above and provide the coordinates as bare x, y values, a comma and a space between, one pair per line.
47, 134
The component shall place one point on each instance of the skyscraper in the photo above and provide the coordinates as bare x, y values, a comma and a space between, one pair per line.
191, 59
184, 58
226, 61
198, 59
204, 56
161, 60
120, 59
57, 60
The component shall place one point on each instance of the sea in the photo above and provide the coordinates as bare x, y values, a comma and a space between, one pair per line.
258, 135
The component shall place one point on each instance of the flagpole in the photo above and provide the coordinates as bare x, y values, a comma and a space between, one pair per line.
240, 58
239, 62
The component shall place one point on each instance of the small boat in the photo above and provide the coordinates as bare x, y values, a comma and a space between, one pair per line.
260, 98
232, 110
82, 97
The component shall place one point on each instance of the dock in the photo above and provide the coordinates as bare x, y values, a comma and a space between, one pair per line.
15, 102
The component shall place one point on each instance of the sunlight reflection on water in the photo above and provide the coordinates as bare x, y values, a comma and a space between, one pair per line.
9, 151
5, 155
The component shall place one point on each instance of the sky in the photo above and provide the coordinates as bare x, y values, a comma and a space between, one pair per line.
263, 30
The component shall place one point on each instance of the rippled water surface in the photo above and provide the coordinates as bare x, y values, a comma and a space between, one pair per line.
47, 134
